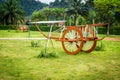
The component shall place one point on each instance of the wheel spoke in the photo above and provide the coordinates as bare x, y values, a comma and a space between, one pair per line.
72, 47
88, 45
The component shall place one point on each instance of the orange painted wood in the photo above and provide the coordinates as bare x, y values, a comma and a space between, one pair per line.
71, 41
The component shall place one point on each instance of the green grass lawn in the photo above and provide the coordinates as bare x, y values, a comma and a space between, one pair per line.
19, 61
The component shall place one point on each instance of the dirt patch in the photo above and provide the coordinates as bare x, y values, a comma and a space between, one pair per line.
112, 39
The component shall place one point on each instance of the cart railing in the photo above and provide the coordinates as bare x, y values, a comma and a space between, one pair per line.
94, 27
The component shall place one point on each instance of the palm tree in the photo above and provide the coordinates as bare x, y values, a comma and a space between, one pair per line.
11, 12
77, 8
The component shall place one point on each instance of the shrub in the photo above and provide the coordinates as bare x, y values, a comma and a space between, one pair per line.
42, 27
44, 54
5, 27
100, 46
34, 44
113, 30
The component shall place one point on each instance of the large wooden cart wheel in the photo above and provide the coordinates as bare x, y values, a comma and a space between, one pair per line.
72, 40
89, 45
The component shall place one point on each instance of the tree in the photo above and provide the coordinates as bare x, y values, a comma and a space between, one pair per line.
60, 3
106, 9
49, 14
92, 16
47, 11
38, 16
89, 4
58, 13
77, 8
11, 12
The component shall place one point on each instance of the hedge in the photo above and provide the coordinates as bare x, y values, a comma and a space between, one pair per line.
101, 30
5, 27
112, 30
43, 28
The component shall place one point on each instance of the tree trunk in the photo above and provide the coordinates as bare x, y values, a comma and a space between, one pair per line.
75, 20
93, 21
108, 27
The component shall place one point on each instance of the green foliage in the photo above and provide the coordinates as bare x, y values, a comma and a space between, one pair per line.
99, 10
48, 14
45, 28
77, 8
100, 46
34, 44
75, 12
11, 12
92, 16
61, 3
46, 54
89, 4
30, 5
113, 30
107, 9
38, 16
8, 27
69, 14
4, 27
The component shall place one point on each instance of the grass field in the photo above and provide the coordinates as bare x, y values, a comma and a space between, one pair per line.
19, 61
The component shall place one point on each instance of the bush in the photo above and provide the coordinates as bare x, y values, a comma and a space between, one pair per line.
113, 30
100, 46
7, 27
43, 28
34, 44
32, 28
44, 54
101, 30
